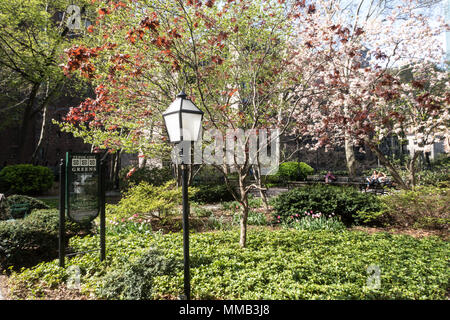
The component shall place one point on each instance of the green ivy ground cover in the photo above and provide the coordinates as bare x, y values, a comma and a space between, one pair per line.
277, 264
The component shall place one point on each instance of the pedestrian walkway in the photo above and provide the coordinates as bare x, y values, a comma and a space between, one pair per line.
1, 286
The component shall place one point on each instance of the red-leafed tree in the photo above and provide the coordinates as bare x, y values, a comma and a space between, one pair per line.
231, 57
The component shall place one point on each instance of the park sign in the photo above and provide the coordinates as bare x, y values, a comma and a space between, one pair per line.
81, 196
83, 186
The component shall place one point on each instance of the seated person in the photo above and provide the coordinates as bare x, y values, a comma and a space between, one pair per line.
372, 180
381, 178
385, 181
329, 177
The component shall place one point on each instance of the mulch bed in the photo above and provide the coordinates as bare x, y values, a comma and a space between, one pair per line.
4, 286
60, 293
416, 233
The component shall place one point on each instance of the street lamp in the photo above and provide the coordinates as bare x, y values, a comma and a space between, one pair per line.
183, 122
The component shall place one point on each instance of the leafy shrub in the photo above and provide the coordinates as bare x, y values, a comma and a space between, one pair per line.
20, 199
201, 212
294, 171
335, 172
372, 219
4, 211
212, 194
437, 177
154, 176
254, 218
4, 186
132, 225
33, 239
134, 281
272, 180
235, 206
423, 207
207, 175
314, 221
32, 202
52, 203
344, 202
27, 179
218, 223
146, 199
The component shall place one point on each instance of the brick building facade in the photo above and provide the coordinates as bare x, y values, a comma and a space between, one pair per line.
55, 144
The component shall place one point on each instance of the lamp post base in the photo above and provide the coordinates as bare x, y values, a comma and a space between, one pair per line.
187, 285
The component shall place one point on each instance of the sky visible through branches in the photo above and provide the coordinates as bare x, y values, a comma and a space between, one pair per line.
380, 9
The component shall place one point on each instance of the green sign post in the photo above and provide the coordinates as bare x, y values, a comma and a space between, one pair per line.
83, 186
82, 194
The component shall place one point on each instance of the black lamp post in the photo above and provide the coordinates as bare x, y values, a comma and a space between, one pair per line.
183, 122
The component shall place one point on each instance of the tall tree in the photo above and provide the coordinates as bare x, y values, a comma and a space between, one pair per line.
230, 57
33, 35
360, 15
367, 98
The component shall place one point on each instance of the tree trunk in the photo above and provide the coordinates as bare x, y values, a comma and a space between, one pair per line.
111, 167
44, 126
385, 162
244, 213
191, 174
262, 189
242, 198
25, 126
350, 158
45, 120
177, 174
116, 169
412, 168
243, 221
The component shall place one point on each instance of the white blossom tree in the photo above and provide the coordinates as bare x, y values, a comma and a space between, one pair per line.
363, 94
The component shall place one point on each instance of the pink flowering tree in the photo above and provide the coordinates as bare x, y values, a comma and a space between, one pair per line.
378, 77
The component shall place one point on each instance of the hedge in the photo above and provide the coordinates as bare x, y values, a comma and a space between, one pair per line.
154, 176
209, 193
20, 199
344, 202
33, 239
26, 179
294, 171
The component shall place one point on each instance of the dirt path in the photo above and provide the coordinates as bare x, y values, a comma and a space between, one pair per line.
3, 288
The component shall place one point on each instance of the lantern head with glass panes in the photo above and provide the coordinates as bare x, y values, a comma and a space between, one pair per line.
183, 120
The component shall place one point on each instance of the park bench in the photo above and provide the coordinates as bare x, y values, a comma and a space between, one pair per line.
378, 187
19, 210
319, 179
